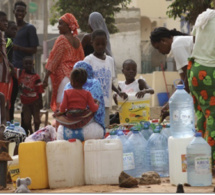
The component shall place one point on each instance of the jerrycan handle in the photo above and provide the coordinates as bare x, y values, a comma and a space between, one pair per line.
181, 86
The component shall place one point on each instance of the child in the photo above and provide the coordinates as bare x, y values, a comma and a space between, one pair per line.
31, 89
103, 68
75, 102
130, 85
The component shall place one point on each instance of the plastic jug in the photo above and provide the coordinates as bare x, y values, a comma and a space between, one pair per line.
157, 153
166, 131
177, 159
33, 163
146, 130
13, 168
103, 161
65, 163
199, 162
134, 109
138, 144
181, 113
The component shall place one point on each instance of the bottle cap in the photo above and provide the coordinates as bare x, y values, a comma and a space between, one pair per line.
120, 132
198, 134
180, 87
113, 132
167, 125
16, 123
158, 129
146, 126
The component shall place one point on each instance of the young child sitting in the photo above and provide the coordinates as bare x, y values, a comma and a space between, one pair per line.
131, 85
103, 68
73, 109
31, 90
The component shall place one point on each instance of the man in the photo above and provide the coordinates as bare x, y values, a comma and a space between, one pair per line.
25, 44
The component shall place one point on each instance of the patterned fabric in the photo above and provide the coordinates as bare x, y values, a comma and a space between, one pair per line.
60, 63
201, 80
94, 86
71, 21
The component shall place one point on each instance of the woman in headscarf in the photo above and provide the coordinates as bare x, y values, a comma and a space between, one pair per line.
96, 21
67, 50
95, 129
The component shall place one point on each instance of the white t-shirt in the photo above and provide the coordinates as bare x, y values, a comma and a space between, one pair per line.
204, 48
181, 49
130, 88
103, 71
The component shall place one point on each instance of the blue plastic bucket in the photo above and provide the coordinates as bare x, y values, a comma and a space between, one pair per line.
162, 98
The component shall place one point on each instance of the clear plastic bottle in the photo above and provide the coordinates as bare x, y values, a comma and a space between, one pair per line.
157, 153
199, 162
138, 144
146, 131
18, 128
112, 135
166, 131
181, 113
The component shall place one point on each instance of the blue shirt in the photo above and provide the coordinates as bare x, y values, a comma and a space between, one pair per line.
25, 37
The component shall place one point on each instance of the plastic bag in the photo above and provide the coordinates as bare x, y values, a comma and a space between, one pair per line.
46, 134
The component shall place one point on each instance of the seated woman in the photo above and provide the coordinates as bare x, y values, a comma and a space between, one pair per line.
95, 128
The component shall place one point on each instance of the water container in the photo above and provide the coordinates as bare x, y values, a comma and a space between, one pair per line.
166, 131
157, 153
134, 109
177, 159
18, 128
138, 144
13, 168
146, 130
181, 113
112, 135
103, 161
199, 162
33, 163
65, 163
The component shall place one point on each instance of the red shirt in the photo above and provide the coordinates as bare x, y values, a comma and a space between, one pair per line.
78, 99
31, 87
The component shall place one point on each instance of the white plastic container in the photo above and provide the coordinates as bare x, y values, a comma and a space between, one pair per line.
134, 110
65, 161
177, 159
103, 161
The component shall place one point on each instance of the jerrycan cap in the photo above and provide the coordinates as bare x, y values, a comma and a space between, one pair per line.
146, 126
72, 140
198, 134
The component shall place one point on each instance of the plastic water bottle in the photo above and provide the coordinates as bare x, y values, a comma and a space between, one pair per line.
146, 131
18, 128
166, 131
199, 162
181, 113
138, 144
157, 153
112, 135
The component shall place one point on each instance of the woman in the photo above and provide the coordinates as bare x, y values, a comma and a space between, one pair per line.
201, 76
95, 129
96, 21
66, 51
180, 45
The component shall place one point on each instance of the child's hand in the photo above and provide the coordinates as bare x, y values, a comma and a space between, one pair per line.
123, 95
140, 94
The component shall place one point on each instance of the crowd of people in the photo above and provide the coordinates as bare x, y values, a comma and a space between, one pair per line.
82, 73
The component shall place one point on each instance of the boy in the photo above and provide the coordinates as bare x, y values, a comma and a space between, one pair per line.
103, 68
31, 89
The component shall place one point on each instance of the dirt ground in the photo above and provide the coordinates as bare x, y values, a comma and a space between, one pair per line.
164, 187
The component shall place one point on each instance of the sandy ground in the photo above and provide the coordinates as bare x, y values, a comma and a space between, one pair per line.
164, 187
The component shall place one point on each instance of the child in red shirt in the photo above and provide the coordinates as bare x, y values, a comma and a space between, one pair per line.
74, 112
31, 90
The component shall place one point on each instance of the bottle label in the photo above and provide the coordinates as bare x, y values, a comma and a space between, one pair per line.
184, 116
203, 165
158, 157
183, 163
128, 161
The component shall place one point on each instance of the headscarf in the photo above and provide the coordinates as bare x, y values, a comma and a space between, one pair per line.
96, 21
71, 21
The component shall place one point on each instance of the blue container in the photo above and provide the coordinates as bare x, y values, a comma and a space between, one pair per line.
199, 162
182, 118
138, 144
162, 98
157, 153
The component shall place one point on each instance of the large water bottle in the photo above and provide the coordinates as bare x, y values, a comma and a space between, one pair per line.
138, 144
199, 162
166, 131
146, 130
157, 153
181, 113
18, 128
